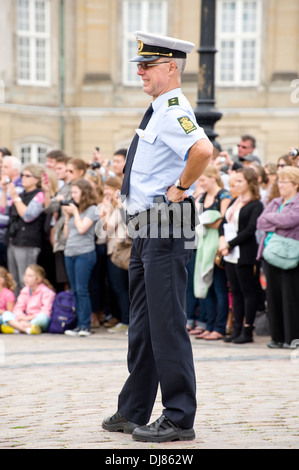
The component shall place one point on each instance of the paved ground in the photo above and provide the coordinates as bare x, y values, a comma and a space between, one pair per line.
55, 391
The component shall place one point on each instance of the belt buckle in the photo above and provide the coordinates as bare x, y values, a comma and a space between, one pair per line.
133, 223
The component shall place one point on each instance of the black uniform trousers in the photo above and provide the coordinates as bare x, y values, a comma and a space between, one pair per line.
160, 351
283, 302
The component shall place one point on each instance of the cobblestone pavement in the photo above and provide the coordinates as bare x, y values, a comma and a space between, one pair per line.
55, 391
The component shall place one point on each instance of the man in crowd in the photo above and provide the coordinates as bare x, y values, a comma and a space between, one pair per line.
118, 162
246, 148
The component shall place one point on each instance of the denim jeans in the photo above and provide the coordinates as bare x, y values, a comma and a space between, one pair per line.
217, 302
79, 269
119, 279
98, 280
195, 308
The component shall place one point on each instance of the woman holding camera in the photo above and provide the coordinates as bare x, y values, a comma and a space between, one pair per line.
80, 255
25, 230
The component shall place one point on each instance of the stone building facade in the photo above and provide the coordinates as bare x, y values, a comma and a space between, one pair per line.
66, 81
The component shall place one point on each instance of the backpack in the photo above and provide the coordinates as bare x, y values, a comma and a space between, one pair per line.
63, 316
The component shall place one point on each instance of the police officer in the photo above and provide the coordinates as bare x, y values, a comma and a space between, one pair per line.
166, 156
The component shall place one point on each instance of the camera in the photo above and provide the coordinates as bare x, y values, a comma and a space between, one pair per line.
294, 153
67, 203
222, 159
7, 180
95, 165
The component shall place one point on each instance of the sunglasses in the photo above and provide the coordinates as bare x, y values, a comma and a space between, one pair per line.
23, 175
243, 146
146, 65
281, 165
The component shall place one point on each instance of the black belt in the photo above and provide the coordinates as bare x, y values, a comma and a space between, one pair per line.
144, 218
164, 214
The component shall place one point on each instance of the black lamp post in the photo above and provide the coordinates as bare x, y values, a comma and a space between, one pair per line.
206, 113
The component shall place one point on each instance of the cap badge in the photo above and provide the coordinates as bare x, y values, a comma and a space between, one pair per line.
140, 46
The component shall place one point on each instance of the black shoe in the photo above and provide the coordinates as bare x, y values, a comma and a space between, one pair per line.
118, 423
293, 345
236, 332
162, 430
274, 345
245, 336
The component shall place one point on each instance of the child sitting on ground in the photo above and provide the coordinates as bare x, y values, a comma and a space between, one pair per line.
32, 311
7, 287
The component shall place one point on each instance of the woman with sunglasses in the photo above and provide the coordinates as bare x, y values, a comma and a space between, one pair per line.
273, 192
26, 223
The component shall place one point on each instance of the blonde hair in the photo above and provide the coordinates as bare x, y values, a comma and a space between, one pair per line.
291, 173
95, 178
114, 182
9, 281
211, 171
41, 273
37, 171
53, 181
272, 167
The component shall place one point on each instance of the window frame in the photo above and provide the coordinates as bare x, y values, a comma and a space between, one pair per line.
238, 37
129, 36
34, 152
33, 36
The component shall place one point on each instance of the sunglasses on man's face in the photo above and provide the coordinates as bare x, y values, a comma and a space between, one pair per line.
147, 65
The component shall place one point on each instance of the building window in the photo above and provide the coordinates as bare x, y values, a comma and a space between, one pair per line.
238, 42
140, 15
33, 153
33, 42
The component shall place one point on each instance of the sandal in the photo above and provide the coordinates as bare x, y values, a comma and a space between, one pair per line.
214, 335
203, 335
196, 331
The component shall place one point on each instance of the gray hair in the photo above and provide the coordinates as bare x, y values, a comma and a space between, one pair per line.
181, 64
16, 163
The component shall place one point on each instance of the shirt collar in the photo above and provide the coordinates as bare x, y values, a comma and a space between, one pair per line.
157, 103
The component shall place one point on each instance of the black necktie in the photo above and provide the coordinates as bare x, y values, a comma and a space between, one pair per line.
131, 153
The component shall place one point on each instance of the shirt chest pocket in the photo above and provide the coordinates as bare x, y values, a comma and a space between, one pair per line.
144, 157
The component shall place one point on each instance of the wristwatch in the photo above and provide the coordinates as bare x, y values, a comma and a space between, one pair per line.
178, 185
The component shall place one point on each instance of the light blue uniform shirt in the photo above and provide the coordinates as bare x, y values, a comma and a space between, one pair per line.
162, 149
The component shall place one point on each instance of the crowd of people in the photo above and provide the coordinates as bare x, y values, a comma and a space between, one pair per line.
58, 225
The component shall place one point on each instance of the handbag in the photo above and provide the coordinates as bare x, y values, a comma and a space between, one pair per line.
219, 260
121, 253
282, 252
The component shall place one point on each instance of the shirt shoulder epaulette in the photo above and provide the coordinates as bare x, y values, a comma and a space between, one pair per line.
173, 102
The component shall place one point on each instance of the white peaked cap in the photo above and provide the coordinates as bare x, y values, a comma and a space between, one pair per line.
152, 47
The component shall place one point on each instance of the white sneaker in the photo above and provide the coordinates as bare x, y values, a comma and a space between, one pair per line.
84, 332
74, 332
119, 328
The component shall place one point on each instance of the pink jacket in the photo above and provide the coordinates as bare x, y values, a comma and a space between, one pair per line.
285, 223
39, 302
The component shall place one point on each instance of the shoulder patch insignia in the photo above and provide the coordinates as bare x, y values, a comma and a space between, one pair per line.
187, 124
173, 102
